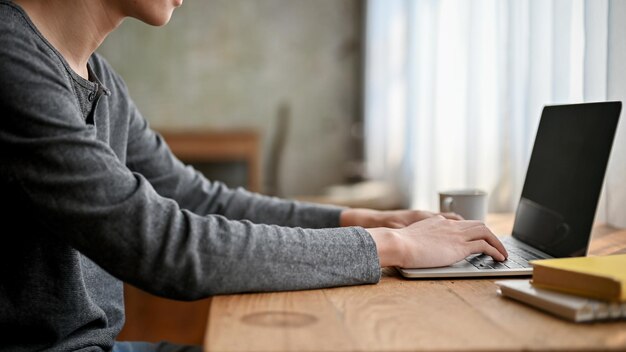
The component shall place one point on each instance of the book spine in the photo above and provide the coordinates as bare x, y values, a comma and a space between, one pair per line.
576, 283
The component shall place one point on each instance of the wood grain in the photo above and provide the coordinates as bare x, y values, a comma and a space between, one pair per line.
285, 321
408, 315
151, 318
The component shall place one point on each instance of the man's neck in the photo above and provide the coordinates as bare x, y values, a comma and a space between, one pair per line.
75, 28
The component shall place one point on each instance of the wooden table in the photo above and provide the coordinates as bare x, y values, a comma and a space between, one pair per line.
406, 315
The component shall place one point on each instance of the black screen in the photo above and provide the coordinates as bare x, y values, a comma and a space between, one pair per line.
565, 176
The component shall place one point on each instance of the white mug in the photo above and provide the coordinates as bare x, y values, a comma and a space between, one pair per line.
471, 204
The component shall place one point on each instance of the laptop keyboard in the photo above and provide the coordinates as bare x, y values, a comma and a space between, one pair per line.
518, 258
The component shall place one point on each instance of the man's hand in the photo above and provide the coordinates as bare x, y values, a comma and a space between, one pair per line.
395, 219
435, 242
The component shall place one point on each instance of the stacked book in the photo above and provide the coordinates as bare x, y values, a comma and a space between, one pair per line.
579, 289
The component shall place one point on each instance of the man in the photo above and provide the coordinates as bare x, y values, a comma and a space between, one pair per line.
94, 198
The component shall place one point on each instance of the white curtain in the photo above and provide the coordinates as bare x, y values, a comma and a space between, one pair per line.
455, 88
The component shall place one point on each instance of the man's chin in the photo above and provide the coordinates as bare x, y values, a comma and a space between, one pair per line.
158, 21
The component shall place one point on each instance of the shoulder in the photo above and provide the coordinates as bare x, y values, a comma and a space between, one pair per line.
12, 16
24, 54
18, 34
35, 86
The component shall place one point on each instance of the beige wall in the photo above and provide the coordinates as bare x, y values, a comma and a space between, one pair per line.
230, 63
615, 201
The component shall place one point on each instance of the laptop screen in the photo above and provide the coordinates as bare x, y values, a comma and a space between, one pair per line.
565, 175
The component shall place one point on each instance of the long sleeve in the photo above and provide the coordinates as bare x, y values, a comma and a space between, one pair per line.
70, 175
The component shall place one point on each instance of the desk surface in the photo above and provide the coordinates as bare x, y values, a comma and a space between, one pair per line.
407, 315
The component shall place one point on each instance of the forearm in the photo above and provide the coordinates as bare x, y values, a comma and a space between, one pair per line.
177, 254
85, 197
204, 197
271, 210
150, 156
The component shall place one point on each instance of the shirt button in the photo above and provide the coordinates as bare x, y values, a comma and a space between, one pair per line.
91, 96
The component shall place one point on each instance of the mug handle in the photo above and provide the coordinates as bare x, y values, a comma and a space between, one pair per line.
447, 204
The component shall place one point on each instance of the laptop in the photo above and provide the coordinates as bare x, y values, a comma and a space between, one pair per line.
555, 213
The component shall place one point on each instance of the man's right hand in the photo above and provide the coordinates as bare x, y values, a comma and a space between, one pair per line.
435, 242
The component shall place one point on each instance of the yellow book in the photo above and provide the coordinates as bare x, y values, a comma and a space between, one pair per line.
601, 277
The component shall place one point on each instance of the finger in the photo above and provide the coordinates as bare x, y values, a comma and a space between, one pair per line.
483, 233
482, 246
452, 216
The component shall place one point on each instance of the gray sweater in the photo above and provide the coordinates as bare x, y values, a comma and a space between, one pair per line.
93, 197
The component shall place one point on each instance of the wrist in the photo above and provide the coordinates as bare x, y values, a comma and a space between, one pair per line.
359, 217
388, 245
